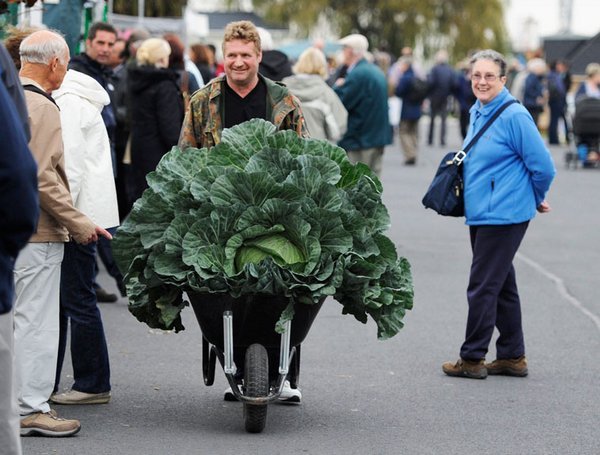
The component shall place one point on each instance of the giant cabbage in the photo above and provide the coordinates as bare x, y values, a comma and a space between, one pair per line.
263, 212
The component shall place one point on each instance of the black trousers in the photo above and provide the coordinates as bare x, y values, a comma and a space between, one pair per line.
492, 293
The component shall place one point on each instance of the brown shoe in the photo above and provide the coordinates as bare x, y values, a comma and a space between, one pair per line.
48, 424
103, 296
508, 367
473, 369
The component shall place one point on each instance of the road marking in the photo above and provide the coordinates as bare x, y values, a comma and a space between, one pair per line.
562, 288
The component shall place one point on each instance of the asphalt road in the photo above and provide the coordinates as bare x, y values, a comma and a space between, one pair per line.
363, 396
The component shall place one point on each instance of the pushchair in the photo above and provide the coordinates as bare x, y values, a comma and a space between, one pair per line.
256, 360
586, 129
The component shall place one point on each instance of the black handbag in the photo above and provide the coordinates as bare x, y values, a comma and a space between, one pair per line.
445, 193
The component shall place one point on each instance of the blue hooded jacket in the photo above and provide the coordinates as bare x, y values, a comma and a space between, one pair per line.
508, 171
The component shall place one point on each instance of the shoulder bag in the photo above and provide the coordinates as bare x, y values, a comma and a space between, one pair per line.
445, 193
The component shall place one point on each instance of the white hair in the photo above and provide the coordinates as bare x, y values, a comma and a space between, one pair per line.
266, 40
35, 50
536, 66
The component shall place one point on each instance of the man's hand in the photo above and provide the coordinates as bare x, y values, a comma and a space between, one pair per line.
94, 235
103, 232
544, 207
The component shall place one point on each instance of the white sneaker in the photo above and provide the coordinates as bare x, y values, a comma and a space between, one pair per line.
228, 395
289, 395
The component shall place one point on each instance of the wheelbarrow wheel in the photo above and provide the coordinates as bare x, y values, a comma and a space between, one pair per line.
256, 382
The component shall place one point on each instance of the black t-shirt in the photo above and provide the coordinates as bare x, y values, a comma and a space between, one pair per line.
253, 105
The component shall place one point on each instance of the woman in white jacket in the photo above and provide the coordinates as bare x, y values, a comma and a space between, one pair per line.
325, 115
90, 175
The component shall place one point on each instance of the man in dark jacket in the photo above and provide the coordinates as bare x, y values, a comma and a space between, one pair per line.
442, 81
364, 93
410, 113
18, 216
95, 63
557, 102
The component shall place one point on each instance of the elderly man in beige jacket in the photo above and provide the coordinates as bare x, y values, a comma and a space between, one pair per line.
44, 59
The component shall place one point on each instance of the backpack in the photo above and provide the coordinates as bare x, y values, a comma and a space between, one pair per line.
419, 89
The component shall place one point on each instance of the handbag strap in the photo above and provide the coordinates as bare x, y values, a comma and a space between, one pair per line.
460, 156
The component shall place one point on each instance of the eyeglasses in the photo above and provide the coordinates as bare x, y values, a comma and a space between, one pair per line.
489, 77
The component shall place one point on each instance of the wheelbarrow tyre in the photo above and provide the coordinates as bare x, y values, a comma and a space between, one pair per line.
256, 383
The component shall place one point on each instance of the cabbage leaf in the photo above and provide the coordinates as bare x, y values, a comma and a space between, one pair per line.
263, 212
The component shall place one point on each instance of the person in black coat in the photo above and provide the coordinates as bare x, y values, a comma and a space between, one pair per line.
442, 83
535, 95
156, 109
464, 97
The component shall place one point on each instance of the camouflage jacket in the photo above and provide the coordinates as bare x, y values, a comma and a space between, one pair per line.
203, 121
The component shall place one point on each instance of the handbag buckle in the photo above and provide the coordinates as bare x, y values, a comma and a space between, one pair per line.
459, 157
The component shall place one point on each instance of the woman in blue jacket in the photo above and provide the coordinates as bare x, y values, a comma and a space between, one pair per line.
507, 174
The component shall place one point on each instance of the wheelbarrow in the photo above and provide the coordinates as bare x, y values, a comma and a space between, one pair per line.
256, 360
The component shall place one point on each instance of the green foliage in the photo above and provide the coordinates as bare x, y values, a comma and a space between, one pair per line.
152, 8
459, 26
162, 8
263, 212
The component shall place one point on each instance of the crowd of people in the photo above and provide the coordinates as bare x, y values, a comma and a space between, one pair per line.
111, 113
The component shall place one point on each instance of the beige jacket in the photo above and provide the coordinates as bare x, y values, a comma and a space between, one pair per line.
58, 218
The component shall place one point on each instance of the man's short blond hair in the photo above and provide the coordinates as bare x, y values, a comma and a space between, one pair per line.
242, 30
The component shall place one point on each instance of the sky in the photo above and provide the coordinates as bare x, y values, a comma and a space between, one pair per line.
585, 17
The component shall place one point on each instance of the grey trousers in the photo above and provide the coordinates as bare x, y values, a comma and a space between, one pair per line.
36, 312
409, 139
372, 157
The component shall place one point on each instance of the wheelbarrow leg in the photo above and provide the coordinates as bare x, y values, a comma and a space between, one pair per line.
284, 349
294, 375
229, 364
209, 360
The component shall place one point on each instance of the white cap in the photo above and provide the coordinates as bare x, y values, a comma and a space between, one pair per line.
355, 41
266, 40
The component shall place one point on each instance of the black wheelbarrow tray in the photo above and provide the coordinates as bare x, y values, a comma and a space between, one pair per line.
240, 332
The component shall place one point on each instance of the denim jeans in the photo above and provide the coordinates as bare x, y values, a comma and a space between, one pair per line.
106, 256
78, 304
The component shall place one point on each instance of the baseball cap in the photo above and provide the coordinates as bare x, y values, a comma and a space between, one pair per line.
355, 41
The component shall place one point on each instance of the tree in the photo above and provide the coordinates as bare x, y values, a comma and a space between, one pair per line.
152, 8
459, 26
